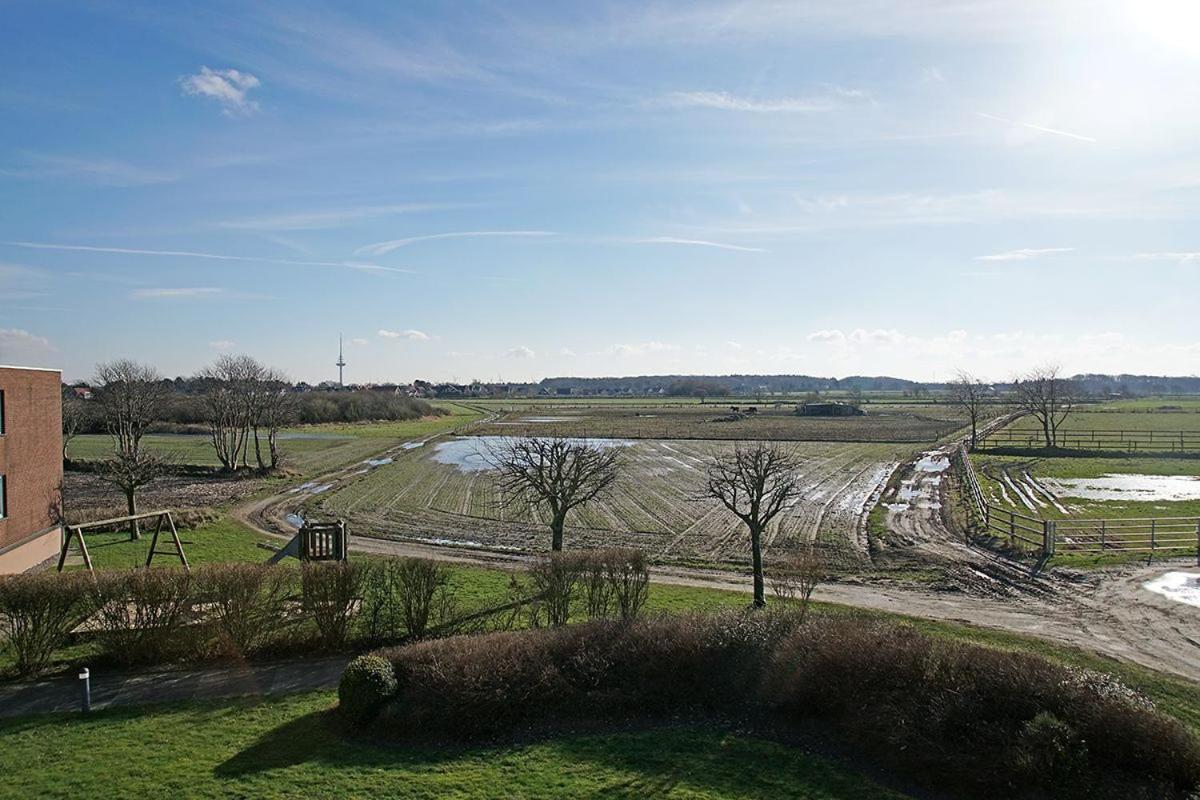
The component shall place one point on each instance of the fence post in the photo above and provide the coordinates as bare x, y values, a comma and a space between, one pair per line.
1103, 531
1152, 528
1198, 543
1012, 528
1048, 535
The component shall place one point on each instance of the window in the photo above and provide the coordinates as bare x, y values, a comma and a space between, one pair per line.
3, 497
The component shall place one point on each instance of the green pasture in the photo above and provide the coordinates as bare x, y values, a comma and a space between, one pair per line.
306, 449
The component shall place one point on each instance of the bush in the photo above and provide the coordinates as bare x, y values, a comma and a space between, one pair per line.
246, 602
616, 582
470, 686
38, 612
976, 721
406, 597
553, 581
330, 596
368, 682
143, 614
937, 708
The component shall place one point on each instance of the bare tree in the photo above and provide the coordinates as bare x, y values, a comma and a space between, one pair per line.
277, 410
795, 577
130, 397
1046, 397
970, 394
74, 419
554, 474
755, 481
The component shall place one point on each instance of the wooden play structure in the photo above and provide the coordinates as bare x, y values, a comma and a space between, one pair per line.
161, 518
317, 541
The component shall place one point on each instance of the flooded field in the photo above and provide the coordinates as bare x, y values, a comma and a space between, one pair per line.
1182, 587
733, 420
1093, 487
445, 493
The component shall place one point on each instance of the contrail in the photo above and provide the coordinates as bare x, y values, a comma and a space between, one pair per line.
1041, 128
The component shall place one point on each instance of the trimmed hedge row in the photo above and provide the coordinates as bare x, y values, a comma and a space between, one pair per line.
980, 721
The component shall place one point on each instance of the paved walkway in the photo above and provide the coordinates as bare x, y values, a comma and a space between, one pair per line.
116, 687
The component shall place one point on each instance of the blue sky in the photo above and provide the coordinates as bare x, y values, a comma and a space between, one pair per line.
516, 190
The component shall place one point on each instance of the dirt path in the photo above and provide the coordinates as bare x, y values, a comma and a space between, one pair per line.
1108, 611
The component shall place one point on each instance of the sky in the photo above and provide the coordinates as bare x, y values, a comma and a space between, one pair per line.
512, 190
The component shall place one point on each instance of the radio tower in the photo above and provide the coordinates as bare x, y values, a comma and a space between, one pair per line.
341, 365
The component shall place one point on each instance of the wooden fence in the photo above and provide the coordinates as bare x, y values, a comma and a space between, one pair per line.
1123, 441
1075, 534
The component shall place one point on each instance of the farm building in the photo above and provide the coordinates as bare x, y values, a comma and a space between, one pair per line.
30, 466
829, 410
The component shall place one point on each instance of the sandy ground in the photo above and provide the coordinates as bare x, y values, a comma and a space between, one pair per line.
1107, 611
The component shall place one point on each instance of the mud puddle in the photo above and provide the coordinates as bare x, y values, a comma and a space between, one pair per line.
1182, 587
478, 454
1116, 486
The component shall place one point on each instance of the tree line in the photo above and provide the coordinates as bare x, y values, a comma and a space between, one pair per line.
239, 403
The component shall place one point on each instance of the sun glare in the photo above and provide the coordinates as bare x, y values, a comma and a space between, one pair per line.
1173, 23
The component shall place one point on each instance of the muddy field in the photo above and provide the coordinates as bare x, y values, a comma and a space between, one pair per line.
86, 497
712, 421
444, 493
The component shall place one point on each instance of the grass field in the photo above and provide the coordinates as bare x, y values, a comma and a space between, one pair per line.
306, 449
440, 493
290, 747
664, 420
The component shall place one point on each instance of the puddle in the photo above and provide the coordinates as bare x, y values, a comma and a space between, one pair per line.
295, 520
296, 436
1182, 587
412, 445
476, 454
933, 461
325, 487
1171, 488
304, 487
378, 462
550, 419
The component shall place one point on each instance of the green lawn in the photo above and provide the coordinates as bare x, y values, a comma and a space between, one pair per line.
988, 466
290, 747
307, 449
220, 541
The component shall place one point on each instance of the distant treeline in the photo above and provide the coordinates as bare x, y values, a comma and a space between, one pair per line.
718, 385
189, 412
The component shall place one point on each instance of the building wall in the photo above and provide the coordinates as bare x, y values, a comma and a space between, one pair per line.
31, 462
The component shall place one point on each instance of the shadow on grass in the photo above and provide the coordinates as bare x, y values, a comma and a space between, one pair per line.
651, 760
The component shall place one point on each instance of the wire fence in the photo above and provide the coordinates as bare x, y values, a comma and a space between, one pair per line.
1138, 441
1075, 534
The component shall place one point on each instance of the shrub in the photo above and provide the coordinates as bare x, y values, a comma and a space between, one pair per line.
553, 580
246, 602
143, 614
951, 710
330, 595
38, 612
469, 686
615, 581
368, 682
406, 597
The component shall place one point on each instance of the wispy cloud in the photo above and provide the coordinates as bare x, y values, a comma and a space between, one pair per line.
223, 345
1041, 128
329, 218
640, 349
725, 101
229, 87
176, 293
382, 248
700, 243
1179, 257
1024, 254
132, 251
18, 344
520, 352
102, 171
412, 335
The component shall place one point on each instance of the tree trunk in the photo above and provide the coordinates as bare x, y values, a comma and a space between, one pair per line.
258, 450
556, 532
273, 445
760, 599
1046, 432
135, 530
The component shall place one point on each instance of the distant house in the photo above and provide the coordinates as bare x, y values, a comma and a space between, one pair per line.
81, 392
829, 410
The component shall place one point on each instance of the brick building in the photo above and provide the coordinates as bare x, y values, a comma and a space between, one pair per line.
30, 466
